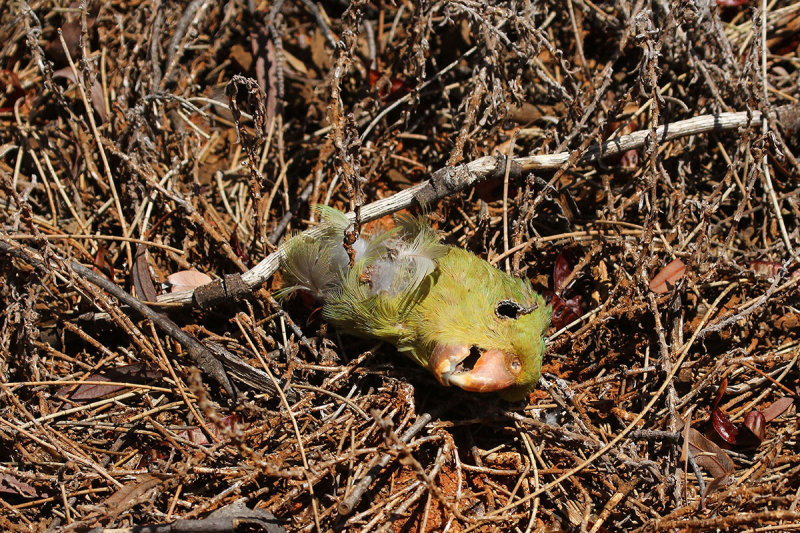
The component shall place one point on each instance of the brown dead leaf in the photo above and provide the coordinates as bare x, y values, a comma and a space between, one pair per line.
140, 275
197, 436
668, 277
708, 455
766, 269
94, 391
242, 56
716, 484
11, 485
131, 494
185, 280
777, 408
95, 91
134, 373
194, 435
102, 262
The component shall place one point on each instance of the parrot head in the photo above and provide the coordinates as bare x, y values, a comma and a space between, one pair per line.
484, 329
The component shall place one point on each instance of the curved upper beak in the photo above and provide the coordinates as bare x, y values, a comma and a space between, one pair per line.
491, 371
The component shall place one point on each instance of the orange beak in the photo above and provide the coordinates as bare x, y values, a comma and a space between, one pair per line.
474, 369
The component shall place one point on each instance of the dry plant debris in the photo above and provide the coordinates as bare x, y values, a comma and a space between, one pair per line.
141, 141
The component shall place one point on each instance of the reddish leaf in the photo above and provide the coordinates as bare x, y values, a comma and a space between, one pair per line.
238, 249
669, 276
187, 279
11, 485
102, 262
754, 421
135, 373
310, 302
767, 269
95, 91
564, 311
399, 88
752, 431
93, 391
731, 3
194, 435
726, 429
394, 89
617, 128
777, 408
198, 436
71, 31
723, 386
561, 271
373, 76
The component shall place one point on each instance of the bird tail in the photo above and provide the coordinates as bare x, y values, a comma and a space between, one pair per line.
319, 264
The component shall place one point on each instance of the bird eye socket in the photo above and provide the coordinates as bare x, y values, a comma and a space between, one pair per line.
511, 309
516, 366
508, 309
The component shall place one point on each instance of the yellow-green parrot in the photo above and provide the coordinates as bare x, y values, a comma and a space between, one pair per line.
470, 324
